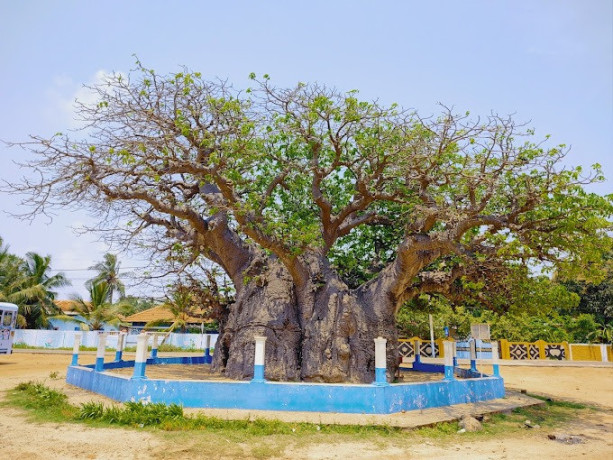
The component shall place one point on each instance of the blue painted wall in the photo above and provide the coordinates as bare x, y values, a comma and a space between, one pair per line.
367, 399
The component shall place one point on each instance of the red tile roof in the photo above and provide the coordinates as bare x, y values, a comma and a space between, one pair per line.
160, 313
67, 306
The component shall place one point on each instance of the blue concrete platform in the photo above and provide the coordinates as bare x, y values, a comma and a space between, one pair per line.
287, 396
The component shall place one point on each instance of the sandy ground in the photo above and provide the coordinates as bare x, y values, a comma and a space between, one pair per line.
591, 385
23, 439
203, 372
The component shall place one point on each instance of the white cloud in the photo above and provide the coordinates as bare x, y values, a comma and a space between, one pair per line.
65, 92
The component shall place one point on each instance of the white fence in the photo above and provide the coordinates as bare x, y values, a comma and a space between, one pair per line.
65, 339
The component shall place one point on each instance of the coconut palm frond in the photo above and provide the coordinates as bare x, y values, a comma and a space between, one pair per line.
108, 272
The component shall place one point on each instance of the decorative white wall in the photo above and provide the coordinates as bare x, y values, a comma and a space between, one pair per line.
65, 339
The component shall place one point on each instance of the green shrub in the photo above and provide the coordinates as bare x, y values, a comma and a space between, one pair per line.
41, 395
513, 326
133, 413
91, 410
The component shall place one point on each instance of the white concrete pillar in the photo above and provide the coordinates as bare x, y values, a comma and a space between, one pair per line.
380, 361
258, 363
495, 366
473, 354
603, 352
75, 350
154, 346
207, 349
121, 340
140, 361
448, 347
101, 351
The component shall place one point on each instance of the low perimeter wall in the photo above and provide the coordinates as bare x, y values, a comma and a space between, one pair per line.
407, 347
509, 350
367, 399
65, 339
555, 350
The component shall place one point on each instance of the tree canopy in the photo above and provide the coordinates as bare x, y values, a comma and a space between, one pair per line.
97, 312
28, 283
301, 169
108, 271
335, 189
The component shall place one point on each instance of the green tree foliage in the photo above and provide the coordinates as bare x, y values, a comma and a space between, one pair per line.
550, 323
596, 300
194, 300
182, 306
596, 297
131, 304
108, 271
98, 311
11, 274
28, 284
309, 168
349, 198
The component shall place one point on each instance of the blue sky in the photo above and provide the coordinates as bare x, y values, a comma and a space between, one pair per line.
548, 62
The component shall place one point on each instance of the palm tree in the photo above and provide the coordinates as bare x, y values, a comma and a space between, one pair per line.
12, 278
28, 284
131, 304
108, 271
98, 311
602, 334
181, 307
10, 273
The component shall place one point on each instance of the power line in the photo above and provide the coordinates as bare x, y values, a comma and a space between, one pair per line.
85, 269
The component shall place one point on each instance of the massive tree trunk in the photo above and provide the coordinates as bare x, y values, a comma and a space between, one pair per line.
266, 305
322, 332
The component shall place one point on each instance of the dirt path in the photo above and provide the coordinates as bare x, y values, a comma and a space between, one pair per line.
23, 439
591, 385
26, 440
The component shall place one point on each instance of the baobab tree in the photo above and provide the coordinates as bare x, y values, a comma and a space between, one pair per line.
326, 212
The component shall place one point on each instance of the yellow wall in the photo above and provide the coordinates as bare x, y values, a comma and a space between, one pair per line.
586, 352
579, 352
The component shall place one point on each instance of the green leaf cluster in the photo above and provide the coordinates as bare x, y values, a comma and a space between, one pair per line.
29, 284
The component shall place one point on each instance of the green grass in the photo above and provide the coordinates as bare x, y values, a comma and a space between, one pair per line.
171, 418
23, 346
548, 415
260, 438
46, 404
33, 396
171, 348
567, 404
39, 399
